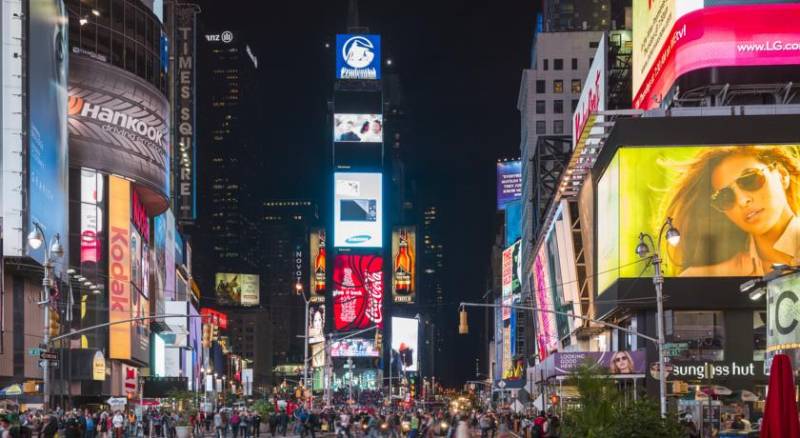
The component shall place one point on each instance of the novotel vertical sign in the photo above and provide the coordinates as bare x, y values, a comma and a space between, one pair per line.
358, 56
119, 268
184, 113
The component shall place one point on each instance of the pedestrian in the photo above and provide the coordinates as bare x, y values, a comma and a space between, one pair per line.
219, 425
119, 423
245, 424
553, 426
50, 427
283, 422
235, 422
540, 425
256, 425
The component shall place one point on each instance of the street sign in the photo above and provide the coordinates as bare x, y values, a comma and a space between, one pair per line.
48, 355
672, 349
53, 363
34, 351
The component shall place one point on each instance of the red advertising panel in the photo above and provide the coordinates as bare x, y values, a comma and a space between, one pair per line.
215, 317
706, 35
357, 292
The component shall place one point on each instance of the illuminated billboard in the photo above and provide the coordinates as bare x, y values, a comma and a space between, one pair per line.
357, 292
119, 124
511, 269
546, 330
236, 289
404, 271
119, 268
405, 339
357, 209
509, 182
735, 207
674, 37
316, 324
317, 275
354, 348
358, 56
365, 128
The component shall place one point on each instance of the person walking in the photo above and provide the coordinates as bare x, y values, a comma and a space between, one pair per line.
256, 425
219, 425
235, 422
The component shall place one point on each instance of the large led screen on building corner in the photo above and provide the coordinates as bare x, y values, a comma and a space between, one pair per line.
357, 292
735, 207
357, 209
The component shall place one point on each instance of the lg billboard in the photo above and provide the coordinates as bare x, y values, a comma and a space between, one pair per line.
674, 37
358, 207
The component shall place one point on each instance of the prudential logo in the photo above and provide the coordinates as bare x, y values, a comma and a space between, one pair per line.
358, 57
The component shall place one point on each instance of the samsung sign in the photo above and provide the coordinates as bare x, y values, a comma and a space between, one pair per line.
358, 206
358, 56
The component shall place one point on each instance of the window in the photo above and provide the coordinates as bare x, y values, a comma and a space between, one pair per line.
558, 64
558, 86
702, 331
574, 63
574, 104
540, 107
558, 126
541, 128
576, 86
540, 87
593, 44
558, 106
759, 335
545, 64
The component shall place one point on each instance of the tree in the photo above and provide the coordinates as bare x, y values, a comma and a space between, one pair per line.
602, 411
263, 408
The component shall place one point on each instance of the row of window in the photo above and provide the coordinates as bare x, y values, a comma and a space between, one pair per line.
558, 106
541, 127
558, 64
558, 86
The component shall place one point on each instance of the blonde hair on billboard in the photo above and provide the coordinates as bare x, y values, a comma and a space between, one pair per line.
707, 236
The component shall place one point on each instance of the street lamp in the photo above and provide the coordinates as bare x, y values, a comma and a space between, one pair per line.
298, 287
643, 250
36, 239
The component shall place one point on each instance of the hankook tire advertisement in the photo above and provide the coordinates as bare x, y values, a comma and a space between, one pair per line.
118, 124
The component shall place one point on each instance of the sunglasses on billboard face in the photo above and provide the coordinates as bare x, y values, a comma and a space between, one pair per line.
750, 181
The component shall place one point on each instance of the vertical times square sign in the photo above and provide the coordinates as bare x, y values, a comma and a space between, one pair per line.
358, 56
185, 113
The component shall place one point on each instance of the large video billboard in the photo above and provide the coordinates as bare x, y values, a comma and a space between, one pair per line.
365, 128
404, 269
735, 207
237, 289
357, 292
509, 182
357, 209
318, 272
358, 56
405, 343
511, 268
119, 124
354, 348
674, 37
47, 122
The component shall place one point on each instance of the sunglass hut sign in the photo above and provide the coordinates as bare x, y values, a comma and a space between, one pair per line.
709, 370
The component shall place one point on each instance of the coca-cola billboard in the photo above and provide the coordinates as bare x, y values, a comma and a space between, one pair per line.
357, 292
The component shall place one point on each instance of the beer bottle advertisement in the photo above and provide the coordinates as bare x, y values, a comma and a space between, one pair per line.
403, 264
318, 270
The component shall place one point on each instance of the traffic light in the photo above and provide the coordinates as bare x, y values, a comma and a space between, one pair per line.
55, 323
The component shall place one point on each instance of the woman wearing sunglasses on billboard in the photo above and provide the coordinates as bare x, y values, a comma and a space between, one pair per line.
736, 208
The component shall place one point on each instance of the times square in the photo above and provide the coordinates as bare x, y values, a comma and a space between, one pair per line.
551, 218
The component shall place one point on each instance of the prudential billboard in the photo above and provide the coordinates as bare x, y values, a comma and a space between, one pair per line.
47, 133
358, 56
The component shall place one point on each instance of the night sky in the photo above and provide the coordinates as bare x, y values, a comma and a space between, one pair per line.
460, 64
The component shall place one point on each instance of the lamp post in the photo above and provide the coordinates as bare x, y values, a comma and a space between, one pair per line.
298, 287
643, 250
51, 252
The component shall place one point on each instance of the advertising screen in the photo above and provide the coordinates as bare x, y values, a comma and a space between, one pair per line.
354, 348
318, 272
316, 324
236, 289
783, 336
513, 222
366, 128
92, 192
509, 182
357, 209
674, 37
405, 338
512, 270
119, 268
547, 332
47, 121
358, 56
357, 292
118, 123
404, 270
731, 205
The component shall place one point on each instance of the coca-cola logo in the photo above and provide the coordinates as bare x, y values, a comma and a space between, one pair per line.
374, 287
